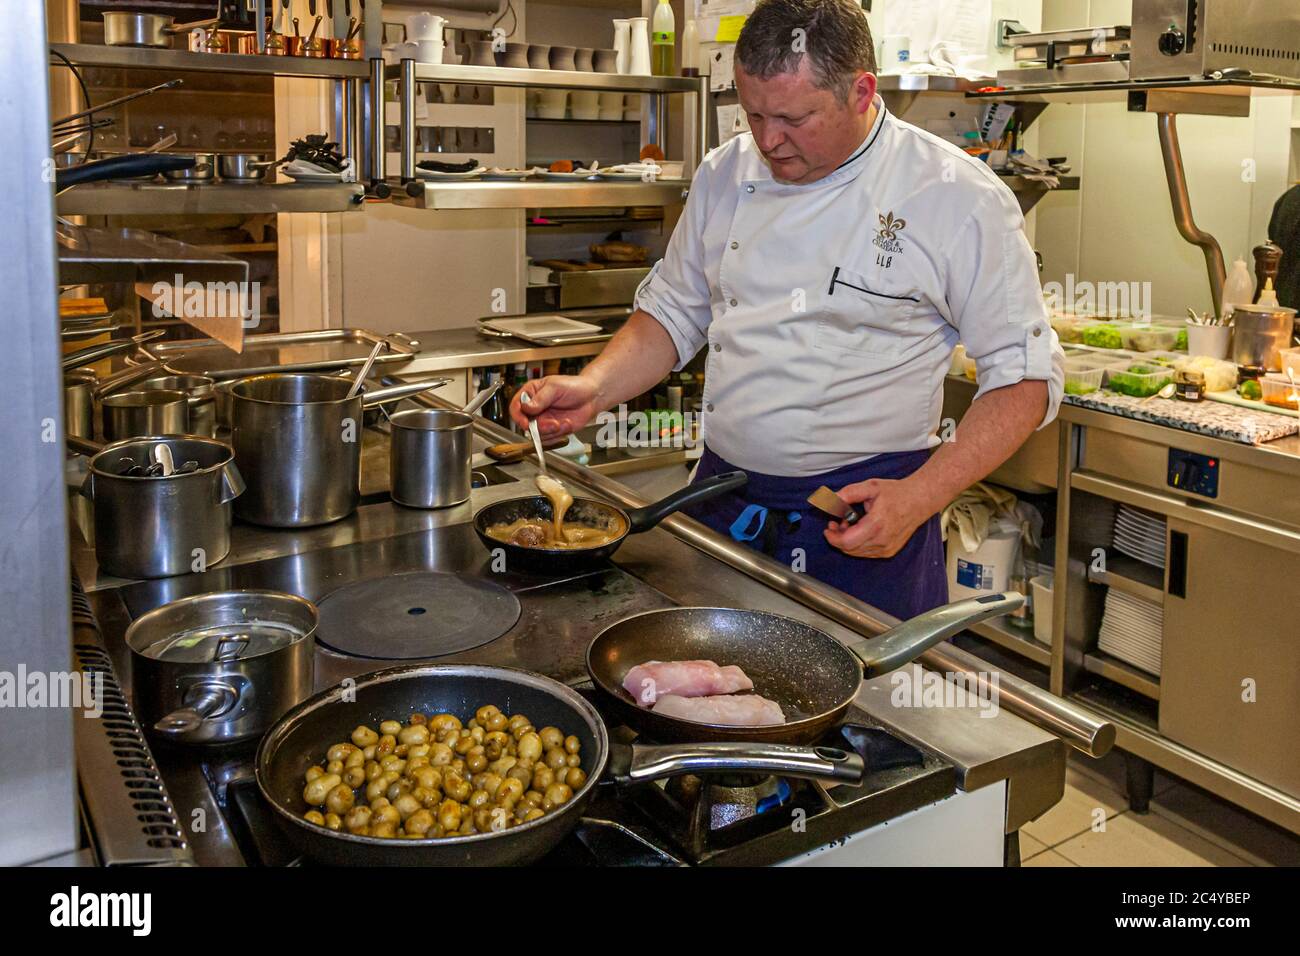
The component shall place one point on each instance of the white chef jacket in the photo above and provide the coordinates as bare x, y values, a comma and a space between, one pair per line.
831, 309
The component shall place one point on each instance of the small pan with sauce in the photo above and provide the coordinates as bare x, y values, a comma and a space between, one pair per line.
593, 529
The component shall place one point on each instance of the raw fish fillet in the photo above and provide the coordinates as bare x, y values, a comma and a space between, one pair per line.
740, 710
649, 681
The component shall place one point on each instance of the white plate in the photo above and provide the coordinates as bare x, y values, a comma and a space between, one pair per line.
506, 175
624, 177
437, 176
574, 177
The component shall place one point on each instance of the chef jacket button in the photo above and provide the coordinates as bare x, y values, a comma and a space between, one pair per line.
708, 407
749, 189
717, 346
1037, 332
733, 303
735, 245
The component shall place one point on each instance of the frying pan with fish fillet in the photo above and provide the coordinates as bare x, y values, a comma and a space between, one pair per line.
810, 674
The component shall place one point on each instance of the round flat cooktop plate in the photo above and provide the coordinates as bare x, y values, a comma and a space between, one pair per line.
415, 616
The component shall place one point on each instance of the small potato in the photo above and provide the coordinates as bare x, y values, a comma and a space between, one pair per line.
376, 788
357, 818
417, 751
522, 729
429, 797
415, 763
333, 821
552, 737
354, 777
543, 777
340, 799
556, 758
575, 778
517, 720
476, 760
364, 737
385, 830
397, 788
387, 744
369, 752
497, 721
573, 760
354, 759
407, 805
427, 777
502, 765
486, 711
314, 816
373, 769
557, 794
532, 798
340, 751
440, 755
533, 813
418, 734
334, 766
443, 722
394, 763
456, 787
511, 789
521, 773
449, 815
478, 798
419, 823
530, 747
314, 772
386, 814
491, 782
315, 792
390, 728
572, 744
417, 719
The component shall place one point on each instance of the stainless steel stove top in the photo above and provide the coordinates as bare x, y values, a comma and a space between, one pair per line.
686, 822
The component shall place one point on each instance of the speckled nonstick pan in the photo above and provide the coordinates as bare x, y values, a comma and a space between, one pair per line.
810, 674
596, 514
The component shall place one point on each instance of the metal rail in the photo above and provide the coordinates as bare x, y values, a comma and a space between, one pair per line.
1167, 124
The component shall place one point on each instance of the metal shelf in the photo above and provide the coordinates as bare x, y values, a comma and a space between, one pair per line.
1118, 90
180, 199
1131, 576
925, 83
145, 58
527, 195
1014, 640
1126, 675
547, 79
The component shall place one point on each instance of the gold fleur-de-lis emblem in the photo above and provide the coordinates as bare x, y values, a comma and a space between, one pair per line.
891, 227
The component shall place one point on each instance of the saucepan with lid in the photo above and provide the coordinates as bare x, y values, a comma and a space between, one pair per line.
222, 667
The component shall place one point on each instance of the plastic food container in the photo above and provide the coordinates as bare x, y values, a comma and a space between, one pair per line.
1139, 379
1082, 377
1148, 338
1041, 588
1220, 376
1279, 391
1290, 360
1102, 335
1069, 328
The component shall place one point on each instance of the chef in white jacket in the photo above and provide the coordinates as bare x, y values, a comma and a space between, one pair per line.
828, 262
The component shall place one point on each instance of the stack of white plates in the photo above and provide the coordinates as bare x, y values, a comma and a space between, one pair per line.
1140, 534
1131, 630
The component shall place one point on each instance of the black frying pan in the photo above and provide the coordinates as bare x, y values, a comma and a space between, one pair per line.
299, 739
120, 167
595, 514
809, 673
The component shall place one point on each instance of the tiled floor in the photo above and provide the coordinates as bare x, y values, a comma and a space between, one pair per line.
1093, 826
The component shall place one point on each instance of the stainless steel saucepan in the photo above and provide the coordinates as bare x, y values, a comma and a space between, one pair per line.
297, 438
126, 28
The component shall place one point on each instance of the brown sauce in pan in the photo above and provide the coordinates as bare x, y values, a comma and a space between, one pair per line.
540, 533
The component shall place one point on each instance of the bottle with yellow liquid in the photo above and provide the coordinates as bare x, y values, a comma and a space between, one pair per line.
662, 39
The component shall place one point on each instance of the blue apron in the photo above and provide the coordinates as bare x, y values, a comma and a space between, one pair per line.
772, 514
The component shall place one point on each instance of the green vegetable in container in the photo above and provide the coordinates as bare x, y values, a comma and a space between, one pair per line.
1251, 389
1102, 337
1180, 343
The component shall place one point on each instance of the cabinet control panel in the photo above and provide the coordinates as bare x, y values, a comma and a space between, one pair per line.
1193, 473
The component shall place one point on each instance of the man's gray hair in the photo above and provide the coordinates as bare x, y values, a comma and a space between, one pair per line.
833, 34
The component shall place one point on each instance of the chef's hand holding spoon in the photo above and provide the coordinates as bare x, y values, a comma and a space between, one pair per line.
894, 510
560, 404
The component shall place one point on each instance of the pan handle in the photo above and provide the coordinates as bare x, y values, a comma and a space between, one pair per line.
916, 635
396, 392
643, 519
641, 763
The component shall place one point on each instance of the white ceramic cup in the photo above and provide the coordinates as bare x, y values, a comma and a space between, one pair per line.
895, 51
586, 105
429, 51
610, 106
1211, 340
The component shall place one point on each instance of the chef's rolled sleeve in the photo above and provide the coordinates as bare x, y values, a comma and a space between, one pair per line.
996, 302
676, 292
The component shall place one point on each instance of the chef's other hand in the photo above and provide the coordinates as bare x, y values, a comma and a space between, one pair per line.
560, 403
894, 509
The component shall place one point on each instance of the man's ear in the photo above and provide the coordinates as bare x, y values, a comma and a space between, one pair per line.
863, 91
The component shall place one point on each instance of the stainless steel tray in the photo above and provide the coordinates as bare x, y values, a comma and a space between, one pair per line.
316, 351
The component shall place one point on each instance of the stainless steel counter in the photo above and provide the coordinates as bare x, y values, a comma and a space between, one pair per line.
446, 349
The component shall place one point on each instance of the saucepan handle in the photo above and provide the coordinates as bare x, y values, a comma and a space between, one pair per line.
395, 392
643, 519
917, 635
640, 763
208, 699
232, 483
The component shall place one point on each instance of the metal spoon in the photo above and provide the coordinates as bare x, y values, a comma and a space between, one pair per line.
479, 400
365, 370
532, 430
1166, 392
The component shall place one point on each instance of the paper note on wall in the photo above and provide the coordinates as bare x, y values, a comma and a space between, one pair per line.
731, 123
722, 59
